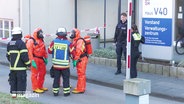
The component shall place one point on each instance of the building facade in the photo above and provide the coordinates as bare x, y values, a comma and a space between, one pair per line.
51, 14
9, 16
83, 14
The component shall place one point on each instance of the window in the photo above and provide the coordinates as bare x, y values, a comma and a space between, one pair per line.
1, 28
1, 24
1, 33
6, 26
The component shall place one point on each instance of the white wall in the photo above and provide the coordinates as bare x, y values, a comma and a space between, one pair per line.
48, 14
51, 14
91, 14
10, 9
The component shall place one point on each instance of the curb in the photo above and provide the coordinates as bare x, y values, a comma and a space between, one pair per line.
164, 70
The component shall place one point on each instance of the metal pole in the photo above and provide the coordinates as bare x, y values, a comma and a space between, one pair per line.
104, 23
75, 13
119, 10
128, 57
19, 13
134, 12
30, 17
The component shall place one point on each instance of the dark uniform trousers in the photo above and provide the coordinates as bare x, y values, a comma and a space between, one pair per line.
18, 81
134, 59
120, 48
65, 75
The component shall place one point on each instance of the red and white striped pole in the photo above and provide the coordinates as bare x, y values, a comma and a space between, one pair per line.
128, 56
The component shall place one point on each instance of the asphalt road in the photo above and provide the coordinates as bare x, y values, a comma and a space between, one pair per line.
95, 94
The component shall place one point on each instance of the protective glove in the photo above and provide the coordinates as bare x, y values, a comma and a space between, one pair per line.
46, 60
74, 63
33, 63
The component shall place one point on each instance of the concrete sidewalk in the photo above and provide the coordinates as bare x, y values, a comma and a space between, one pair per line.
166, 87
161, 86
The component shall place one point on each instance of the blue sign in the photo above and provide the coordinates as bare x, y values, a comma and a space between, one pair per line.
157, 31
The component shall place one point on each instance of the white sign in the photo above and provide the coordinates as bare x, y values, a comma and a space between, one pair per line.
157, 8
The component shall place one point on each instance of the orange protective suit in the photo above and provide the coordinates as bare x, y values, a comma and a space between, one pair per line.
77, 48
38, 53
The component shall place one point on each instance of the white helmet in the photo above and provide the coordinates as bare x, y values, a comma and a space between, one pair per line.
61, 32
16, 30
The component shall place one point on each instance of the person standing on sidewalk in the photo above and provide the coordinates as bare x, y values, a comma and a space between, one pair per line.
59, 48
80, 60
135, 41
120, 39
38, 56
17, 55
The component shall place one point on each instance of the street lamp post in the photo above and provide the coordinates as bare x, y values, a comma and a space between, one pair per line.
29, 16
104, 23
75, 13
119, 10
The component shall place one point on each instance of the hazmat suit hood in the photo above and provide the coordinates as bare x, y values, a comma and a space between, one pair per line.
38, 34
77, 34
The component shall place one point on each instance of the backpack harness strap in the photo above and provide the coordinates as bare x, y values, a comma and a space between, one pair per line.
85, 53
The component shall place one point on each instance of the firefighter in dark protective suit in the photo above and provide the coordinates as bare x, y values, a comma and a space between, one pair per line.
120, 40
135, 41
17, 55
59, 48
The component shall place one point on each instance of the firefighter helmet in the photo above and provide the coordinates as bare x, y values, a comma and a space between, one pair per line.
61, 32
16, 31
